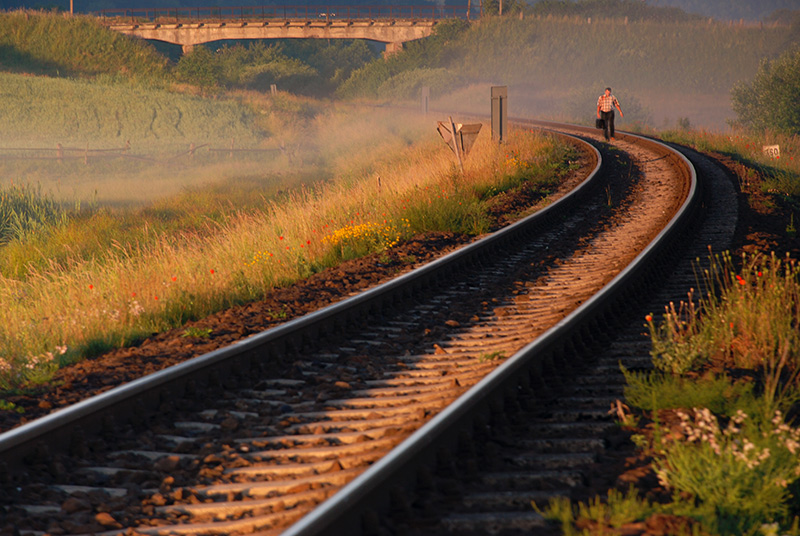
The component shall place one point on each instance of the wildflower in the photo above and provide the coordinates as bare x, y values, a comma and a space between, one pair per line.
135, 308
91, 287
648, 318
212, 270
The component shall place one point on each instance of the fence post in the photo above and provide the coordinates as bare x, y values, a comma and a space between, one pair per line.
230, 154
60, 153
86, 155
191, 150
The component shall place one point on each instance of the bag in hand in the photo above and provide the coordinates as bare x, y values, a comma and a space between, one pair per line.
599, 123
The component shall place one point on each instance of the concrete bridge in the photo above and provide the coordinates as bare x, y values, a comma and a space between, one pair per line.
393, 25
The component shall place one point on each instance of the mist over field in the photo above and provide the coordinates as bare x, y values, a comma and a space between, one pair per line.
754, 10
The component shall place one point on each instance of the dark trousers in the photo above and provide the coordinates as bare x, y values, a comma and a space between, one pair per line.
608, 129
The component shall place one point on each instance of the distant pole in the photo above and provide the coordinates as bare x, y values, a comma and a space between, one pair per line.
71, 11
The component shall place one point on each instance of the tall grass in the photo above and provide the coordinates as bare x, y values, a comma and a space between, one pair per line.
88, 303
24, 212
59, 44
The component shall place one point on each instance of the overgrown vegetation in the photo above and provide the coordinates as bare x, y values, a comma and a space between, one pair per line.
299, 68
727, 366
80, 277
55, 44
25, 212
770, 101
134, 274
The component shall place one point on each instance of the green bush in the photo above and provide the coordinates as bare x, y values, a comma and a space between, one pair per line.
738, 474
771, 101
653, 391
311, 68
200, 67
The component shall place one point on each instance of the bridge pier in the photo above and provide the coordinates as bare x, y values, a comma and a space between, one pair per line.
392, 48
186, 49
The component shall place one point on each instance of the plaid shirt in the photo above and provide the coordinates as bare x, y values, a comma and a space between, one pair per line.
607, 102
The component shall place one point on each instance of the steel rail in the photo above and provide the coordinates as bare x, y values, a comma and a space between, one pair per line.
341, 514
54, 431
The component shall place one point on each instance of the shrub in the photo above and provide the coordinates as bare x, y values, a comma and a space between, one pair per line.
739, 473
770, 100
200, 67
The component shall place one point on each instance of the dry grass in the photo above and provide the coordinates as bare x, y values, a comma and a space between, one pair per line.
395, 187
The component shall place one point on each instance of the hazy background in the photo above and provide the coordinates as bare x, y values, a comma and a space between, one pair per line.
753, 10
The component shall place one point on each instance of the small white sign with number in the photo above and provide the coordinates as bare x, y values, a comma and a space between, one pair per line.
772, 151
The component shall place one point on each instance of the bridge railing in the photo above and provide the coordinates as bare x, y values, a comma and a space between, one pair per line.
304, 13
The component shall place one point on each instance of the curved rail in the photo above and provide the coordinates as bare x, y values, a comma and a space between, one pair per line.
371, 490
147, 393
342, 511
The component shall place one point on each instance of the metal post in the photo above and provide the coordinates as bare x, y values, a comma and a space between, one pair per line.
499, 112
456, 145
425, 99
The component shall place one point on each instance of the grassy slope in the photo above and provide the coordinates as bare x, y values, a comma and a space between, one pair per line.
554, 65
60, 45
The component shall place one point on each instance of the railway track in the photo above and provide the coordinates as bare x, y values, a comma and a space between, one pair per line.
338, 407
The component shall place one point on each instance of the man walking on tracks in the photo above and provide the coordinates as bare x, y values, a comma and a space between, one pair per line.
605, 111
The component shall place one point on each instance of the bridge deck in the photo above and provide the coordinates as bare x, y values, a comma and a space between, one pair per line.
193, 26
305, 13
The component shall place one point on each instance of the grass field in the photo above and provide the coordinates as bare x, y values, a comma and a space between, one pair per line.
98, 277
98, 251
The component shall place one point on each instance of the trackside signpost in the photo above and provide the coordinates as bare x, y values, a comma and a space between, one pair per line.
459, 137
499, 112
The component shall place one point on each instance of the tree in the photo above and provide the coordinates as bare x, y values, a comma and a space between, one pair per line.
771, 102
